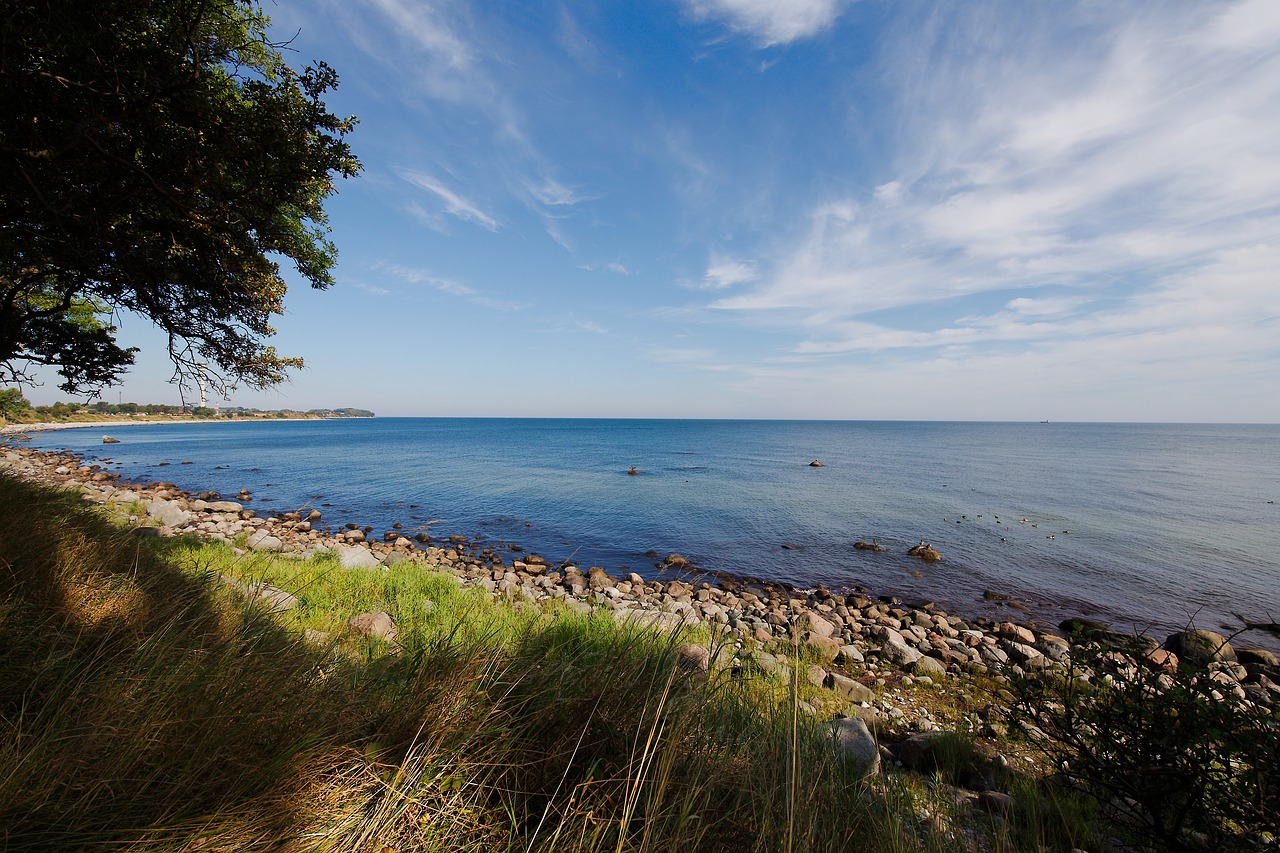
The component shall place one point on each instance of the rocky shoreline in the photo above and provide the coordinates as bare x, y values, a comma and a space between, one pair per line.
869, 650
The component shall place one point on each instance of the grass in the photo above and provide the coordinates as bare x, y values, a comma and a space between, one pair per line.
145, 706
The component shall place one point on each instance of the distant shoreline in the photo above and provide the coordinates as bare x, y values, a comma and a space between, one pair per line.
53, 426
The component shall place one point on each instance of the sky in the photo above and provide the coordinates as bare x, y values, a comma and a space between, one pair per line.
883, 209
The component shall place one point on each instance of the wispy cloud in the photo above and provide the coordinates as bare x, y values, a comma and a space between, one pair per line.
413, 275
1129, 194
552, 193
454, 204
770, 22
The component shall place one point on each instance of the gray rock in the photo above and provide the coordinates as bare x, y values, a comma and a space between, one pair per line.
816, 675
815, 626
924, 752
277, 598
224, 506
994, 802
694, 660
316, 638
262, 540
927, 666
378, 624
849, 654
772, 666
168, 513
1200, 647
856, 747
1055, 648
898, 652
357, 557
1257, 656
651, 618
1023, 654
850, 689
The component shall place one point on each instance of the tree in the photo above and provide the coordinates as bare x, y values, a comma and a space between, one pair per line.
12, 404
157, 157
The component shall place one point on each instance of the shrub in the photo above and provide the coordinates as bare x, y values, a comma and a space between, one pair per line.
1179, 760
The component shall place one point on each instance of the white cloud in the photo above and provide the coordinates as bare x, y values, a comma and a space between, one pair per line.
723, 273
454, 204
1141, 172
552, 193
889, 193
770, 21
421, 276
413, 275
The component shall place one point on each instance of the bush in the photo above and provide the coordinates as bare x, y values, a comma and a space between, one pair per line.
1178, 759
12, 404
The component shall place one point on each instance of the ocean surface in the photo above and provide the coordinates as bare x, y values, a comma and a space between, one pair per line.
1147, 526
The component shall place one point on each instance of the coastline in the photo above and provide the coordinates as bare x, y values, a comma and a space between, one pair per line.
937, 642
54, 426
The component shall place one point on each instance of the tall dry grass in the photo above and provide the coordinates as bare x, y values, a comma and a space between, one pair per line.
144, 706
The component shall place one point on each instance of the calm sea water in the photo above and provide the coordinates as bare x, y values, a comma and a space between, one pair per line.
1167, 523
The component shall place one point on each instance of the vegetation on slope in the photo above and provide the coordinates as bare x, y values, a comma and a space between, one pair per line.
146, 705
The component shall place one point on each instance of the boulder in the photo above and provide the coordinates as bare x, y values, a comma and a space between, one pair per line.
1163, 660
856, 748
224, 506
357, 557
927, 751
693, 660
1090, 630
168, 513
850, 654
649, 618
869, 546
926, 665
898, 652
924, 551
1257, 656
276, 598
826, 648
813, 625
262, 540
816, 464
1017, 633
1200, 647
379, 625
852, 690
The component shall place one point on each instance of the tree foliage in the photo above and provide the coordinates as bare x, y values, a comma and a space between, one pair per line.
1181, 761
157, 157
12, 404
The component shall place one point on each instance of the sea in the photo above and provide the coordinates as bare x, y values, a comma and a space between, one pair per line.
1151, 527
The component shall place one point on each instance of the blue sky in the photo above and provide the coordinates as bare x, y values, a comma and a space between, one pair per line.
793, 208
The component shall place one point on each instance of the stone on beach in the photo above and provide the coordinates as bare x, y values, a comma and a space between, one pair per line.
896, 651
379, 625
1200, 647
856, 746
168, 513
263, 540
357, 557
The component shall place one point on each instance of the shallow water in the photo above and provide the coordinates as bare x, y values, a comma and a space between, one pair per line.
1167, 523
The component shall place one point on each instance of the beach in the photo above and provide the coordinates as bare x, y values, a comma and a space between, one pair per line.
923, 637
